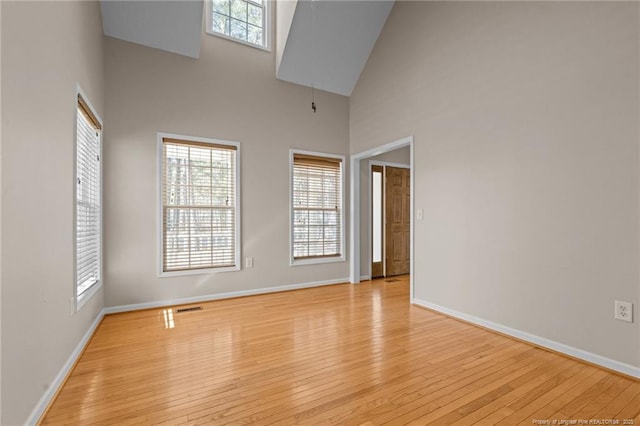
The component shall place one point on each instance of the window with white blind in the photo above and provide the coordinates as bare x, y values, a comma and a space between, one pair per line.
245, 21
88, 244
317, 215
200, 205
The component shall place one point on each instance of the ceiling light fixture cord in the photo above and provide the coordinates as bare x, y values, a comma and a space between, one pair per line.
313, 99
315, 54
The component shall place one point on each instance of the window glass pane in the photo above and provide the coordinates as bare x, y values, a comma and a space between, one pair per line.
201, 176
300, 250
220, 24
238, 30
330, 247
315, 218
376, 213
255, 35
199, 157
239, 10
331, 218
201, 195
221, 6
255, 15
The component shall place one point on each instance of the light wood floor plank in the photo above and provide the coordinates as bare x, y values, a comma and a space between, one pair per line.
336, 355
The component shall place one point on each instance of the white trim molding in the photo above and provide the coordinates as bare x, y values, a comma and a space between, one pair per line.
354, 206
589, 357
388, 164
59, 380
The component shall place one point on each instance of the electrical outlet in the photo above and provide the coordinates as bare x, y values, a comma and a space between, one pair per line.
248, 263
623, 311
419, 214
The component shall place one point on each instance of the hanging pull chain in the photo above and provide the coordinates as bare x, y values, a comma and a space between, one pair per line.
313, 99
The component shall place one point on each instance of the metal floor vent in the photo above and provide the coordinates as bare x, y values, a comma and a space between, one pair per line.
393, 280
193, 308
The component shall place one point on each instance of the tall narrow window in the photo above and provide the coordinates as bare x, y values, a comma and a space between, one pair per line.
239, 20
88, 247
377, 220
317, 216
199, 205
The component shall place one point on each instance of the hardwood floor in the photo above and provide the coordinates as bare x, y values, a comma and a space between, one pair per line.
343, 354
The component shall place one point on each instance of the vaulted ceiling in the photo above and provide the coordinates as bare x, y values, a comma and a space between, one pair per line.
320, 43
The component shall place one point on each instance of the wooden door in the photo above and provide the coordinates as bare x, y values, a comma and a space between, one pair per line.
397, 221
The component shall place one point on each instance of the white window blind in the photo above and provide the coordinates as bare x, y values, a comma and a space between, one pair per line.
88, 199
198, 205
317, 207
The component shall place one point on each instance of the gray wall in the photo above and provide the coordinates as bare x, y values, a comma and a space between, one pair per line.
525, 117
0, 214
229, 93
46, 48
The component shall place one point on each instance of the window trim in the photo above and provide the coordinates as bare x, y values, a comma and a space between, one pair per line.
78, 301
159, 224
266, 29
324, 259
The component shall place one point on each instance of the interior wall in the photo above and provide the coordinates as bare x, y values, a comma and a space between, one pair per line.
525, 124
42, 60
229, 93
0, 212
397, 156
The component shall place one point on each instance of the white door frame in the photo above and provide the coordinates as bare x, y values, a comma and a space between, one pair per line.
354, 206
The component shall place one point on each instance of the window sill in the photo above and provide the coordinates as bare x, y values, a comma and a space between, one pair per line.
197, 272
87, 295
246, 43
316, 261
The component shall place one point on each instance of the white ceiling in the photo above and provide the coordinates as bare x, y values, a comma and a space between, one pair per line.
327, 45
171, 25
330, 41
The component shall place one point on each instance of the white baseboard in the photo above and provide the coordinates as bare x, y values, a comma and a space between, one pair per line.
602, 361
365, 277
229, 295
66, 369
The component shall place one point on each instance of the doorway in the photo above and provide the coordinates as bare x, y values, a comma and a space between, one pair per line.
360, 212
390, 198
